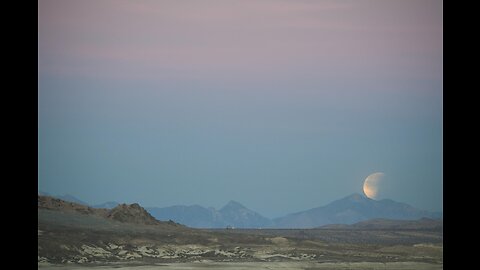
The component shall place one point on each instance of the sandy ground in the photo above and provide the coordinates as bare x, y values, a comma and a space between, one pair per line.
256, 265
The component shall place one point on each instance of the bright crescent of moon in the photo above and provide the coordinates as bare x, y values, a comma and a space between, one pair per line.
371, 185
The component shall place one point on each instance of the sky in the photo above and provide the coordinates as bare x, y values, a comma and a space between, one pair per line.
280, 105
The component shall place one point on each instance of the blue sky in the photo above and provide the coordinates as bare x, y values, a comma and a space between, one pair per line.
280, 105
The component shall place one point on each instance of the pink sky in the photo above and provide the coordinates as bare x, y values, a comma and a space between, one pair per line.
257, 39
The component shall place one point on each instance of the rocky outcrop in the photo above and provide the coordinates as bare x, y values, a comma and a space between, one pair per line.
132, 213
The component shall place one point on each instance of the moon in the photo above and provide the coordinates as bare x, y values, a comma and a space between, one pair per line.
371, 186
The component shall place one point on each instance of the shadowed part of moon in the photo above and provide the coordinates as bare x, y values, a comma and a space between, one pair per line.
371, 185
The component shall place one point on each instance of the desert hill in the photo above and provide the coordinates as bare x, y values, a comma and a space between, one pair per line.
125, 213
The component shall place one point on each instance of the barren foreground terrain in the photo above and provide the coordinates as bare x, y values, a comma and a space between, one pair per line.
259, 265
82, 240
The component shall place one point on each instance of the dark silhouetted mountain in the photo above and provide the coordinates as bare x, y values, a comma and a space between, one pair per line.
233, 214
107, 205
350, 210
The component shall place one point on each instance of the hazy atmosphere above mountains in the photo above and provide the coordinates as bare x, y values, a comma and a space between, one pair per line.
282, 106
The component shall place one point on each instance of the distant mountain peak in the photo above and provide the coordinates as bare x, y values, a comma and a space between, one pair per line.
232, 214
352, 209
389, 201
233, 205
356, 197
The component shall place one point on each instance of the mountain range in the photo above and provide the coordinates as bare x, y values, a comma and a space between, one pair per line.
348, 210
353, 209
233, 214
